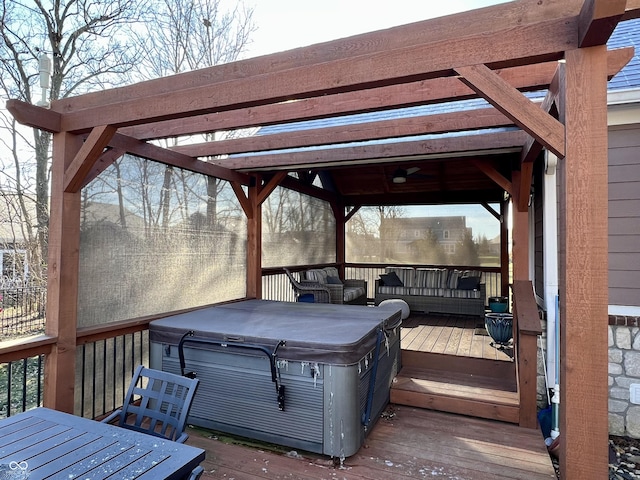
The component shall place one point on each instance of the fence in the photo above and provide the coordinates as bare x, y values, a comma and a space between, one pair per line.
23, 311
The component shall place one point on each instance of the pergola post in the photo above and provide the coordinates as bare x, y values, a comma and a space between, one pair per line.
520, 218
584, 267
341, 228
62, 278
504, 249
254, 242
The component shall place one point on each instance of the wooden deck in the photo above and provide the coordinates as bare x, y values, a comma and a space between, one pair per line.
406, 443
452, 335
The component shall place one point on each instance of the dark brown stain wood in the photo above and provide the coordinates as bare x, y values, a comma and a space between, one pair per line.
408, 443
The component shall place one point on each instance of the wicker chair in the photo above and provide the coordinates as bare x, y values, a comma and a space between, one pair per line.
320, 292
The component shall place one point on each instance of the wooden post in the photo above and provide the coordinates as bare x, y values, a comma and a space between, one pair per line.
504, 249
584, 268
254, 243
520, 248
338, 213
62, 279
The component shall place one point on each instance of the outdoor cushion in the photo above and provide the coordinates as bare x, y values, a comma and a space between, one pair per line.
469, 283
334, 280
391, 279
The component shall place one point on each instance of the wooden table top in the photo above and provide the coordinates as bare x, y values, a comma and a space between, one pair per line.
51, 444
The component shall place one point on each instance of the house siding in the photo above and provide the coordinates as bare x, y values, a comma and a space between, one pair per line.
539, 230
624, 215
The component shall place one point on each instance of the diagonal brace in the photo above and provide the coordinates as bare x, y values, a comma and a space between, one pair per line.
522, 111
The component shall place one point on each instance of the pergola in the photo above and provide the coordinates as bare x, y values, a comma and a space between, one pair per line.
496, 53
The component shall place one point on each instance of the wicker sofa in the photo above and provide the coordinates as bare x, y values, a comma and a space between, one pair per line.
348, 291
438, 290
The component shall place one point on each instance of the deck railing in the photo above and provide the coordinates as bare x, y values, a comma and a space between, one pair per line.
104, 369
21, 384
276, 286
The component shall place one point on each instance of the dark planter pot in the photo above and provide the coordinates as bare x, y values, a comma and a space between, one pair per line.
498, 304
499, 326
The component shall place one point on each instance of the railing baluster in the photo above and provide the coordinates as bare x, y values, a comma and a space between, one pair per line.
24, 384
40, 377
9, 382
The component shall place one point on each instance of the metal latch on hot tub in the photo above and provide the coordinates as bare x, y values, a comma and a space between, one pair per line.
189, 337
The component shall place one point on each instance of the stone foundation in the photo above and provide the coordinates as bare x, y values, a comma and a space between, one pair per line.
624, 370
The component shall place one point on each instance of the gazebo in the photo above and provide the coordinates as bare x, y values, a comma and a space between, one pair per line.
499, 54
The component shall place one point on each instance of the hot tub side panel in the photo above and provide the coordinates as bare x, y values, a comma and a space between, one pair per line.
325, 404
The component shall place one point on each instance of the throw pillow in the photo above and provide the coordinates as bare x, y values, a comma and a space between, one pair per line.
469, 283
334, 280
391, 280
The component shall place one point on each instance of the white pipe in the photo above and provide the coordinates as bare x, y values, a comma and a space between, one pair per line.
550, 245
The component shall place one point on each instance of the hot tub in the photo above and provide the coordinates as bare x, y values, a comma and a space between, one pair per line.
308, 376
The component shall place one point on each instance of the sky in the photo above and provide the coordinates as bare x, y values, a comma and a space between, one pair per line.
286, 24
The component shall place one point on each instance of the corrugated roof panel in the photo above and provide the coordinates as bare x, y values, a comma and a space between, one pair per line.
627, 34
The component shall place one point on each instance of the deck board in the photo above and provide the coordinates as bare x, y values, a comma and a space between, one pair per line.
410, 443
450, 334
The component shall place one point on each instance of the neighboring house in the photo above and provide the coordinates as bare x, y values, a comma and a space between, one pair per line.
14, 267
401, 234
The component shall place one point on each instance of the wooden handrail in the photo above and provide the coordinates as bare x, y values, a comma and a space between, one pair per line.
527, 329
21, 348
526, 308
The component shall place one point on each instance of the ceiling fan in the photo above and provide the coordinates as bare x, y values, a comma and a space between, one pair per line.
400, 174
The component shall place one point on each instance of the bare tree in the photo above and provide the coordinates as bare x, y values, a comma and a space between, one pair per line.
183, 35
87, 43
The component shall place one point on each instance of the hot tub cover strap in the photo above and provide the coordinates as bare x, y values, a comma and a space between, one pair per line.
189, 337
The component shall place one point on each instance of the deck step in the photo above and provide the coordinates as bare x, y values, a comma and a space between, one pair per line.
472, 394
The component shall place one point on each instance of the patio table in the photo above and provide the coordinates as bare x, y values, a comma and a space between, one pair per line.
44, 443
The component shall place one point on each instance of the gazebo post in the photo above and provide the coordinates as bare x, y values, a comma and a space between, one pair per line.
254, 243
62, 278
583, 254
338, 213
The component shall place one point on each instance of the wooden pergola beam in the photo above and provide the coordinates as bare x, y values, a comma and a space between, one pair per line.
313, 191
243, 199
270, 186
490, 171
439, 30
598, 19
524, 113
34, 116
451, 197
400, 151
540, 42
91, 150
105, 160
533, 146
396, 128
525, 77
632, 10
169, 157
